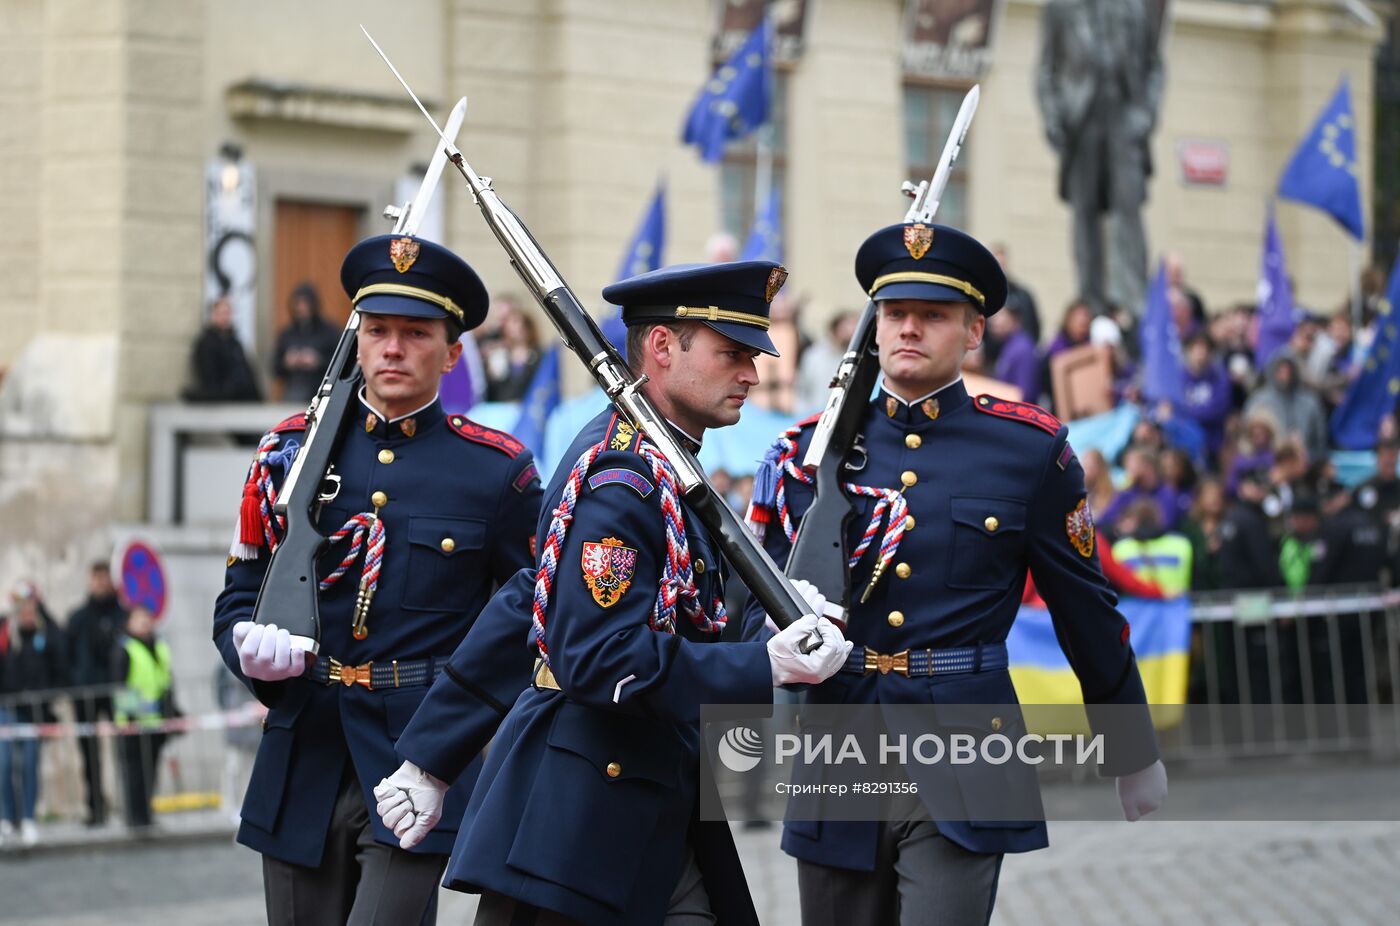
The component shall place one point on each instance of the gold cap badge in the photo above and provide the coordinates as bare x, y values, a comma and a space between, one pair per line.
917, 240
403, 252
776, 278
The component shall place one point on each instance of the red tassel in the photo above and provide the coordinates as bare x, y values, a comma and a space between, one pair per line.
760, 514
250, 527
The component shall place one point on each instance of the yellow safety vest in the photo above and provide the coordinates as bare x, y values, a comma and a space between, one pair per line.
1165, 560
147, 682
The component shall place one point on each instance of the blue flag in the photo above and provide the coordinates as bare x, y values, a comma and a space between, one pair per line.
1371, 396
541, 399
1277, 317
1163, 372
765, 241
642, 255
735, 100
1323, 172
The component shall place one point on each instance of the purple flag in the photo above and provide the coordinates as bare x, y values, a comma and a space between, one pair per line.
1276, 314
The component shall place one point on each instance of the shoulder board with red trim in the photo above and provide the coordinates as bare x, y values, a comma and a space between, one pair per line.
480, 434
809, 420
296, 422
619, 434
1018, 411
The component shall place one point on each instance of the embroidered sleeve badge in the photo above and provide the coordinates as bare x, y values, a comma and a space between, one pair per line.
1079, 525
608, 568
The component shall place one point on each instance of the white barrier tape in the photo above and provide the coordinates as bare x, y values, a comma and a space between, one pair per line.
249, 715
1358, 603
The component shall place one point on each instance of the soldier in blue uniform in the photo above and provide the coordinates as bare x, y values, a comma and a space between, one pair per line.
976, 490
432, 512
587, 809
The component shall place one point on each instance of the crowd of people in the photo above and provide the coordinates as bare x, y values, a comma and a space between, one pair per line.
108, 663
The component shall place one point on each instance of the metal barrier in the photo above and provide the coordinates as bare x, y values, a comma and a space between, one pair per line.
1277, 672
65, 744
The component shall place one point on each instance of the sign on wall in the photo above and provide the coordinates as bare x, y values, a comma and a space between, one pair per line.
949, 39
230, 262
1203, 162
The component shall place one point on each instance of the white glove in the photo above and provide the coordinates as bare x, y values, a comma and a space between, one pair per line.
1143, 792
791, 666
410, 803
816, 601
266, 653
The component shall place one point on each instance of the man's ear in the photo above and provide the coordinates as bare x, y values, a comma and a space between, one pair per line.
975, 331
660, 343
453, 353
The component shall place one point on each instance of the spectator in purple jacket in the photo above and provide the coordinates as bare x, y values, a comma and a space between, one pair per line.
1074, 330
1017, 360
1144, 481
1256, 451
1206, 397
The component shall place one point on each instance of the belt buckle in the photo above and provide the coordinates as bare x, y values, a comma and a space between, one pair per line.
350, 675
879, 662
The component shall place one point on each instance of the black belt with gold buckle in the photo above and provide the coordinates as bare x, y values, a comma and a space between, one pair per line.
393, 673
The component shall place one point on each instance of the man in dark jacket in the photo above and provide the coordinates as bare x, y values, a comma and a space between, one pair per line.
1249, 560
221, 369
304, 347
93, 629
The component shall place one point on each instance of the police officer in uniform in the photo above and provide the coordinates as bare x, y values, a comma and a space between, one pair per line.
992, 489
432, 511
586, 811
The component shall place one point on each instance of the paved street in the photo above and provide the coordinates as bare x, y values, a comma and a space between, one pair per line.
1094, 872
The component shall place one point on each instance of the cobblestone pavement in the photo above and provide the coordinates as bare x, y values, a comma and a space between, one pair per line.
1093, 873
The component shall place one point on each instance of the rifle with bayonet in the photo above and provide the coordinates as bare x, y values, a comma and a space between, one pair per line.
289, 596
581, 334
819, 552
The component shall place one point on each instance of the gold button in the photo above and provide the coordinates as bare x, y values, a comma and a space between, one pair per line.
991, 524
903, 571
699, 567
614, 769
909, 522
996, 724
909, 477
379, 499
913, 441
448, 544
896, 618
386, 455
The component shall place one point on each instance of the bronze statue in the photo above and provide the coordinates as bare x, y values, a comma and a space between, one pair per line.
1099, 83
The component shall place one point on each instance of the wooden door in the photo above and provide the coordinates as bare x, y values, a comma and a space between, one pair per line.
310, 243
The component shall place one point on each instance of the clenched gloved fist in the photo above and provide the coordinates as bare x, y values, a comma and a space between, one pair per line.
266, 653
410, 803
791, 666
1143, 792
816, 601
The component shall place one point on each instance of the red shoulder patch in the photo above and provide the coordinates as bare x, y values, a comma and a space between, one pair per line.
480, 434
296, 422
1018, 411
809, 420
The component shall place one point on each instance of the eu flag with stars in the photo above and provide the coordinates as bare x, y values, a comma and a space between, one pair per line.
1324, 172
1163, 372
1277, 317
541, 399
1371, 396
642, 255
765, 241
735, 100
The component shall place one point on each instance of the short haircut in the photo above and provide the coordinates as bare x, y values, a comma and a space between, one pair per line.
637, 337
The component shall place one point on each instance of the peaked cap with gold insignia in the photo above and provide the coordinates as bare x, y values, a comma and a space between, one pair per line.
732, 298
403, 275
933, 262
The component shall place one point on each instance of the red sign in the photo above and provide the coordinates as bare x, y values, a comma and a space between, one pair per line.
142, 577
1204, 163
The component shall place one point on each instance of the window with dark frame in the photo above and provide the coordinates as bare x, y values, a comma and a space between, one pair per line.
929, 112
739, 169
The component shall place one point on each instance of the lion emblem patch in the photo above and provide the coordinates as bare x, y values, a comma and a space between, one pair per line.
1079, 525
608, 567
